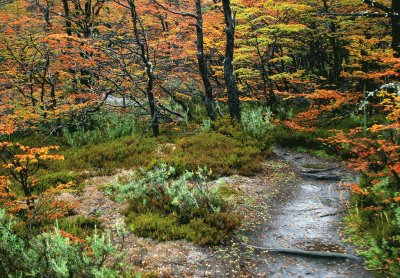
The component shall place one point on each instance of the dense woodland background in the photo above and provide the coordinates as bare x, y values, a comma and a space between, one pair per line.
88, 88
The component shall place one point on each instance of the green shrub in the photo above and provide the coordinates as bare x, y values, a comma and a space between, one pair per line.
124, 153
104, 128
166, 208
52, 179
374, 224
52, 255
79, 226
256, 122
168, 227
229, 127
222, 154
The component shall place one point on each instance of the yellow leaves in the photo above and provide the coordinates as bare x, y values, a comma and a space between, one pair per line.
5, 145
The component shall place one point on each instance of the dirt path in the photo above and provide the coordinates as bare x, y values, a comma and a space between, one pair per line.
309, 220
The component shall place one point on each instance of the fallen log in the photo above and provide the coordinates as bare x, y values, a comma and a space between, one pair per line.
304, 253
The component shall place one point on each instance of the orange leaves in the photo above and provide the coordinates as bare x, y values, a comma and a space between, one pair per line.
22, 162
296, 126
355, 189
24, 156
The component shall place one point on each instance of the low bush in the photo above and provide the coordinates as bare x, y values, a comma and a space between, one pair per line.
219, 152
257, 124
79, 226
52, 254
104, 128
374, 223
48, 180
168, 227
167, 208
105, 158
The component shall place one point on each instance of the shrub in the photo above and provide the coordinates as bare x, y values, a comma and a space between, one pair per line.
79, 226
52, 179
374, 222
165, 228
228, 127
166, 209
105, 158
257, 124
53, 255
105, 128
224, 155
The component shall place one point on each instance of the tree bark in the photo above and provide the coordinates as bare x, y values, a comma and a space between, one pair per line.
230, 80
396, 28
141, 40
208, 96
68, 24
203, 70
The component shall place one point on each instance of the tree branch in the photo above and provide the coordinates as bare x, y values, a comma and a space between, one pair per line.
381, 7
362, 14
173, 11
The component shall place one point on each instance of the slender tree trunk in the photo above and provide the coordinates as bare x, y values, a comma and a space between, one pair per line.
336, 53
141, 40
203, 70
230, 80
68, 24
396, 28
208, 97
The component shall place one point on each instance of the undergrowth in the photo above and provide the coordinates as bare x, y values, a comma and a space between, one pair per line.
164, 206
373, 224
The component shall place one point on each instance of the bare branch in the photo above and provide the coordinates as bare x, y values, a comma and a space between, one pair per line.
173, 11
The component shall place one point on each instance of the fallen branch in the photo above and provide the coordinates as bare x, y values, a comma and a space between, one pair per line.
376, 269
333, 213
303, 253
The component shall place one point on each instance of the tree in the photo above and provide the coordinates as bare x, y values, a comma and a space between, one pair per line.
229, 74
201, 61
391, 11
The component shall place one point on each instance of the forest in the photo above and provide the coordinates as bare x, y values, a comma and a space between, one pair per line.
199, 138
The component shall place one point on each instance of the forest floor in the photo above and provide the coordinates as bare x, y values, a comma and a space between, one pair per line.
296, 203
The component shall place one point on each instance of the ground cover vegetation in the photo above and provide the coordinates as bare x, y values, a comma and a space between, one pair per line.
180, 93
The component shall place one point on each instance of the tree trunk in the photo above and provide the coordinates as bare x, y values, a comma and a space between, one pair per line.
230, 80
208, 97
396, 28
141, 40
68, 24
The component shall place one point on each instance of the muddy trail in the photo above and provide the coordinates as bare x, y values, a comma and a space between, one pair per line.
303, 233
